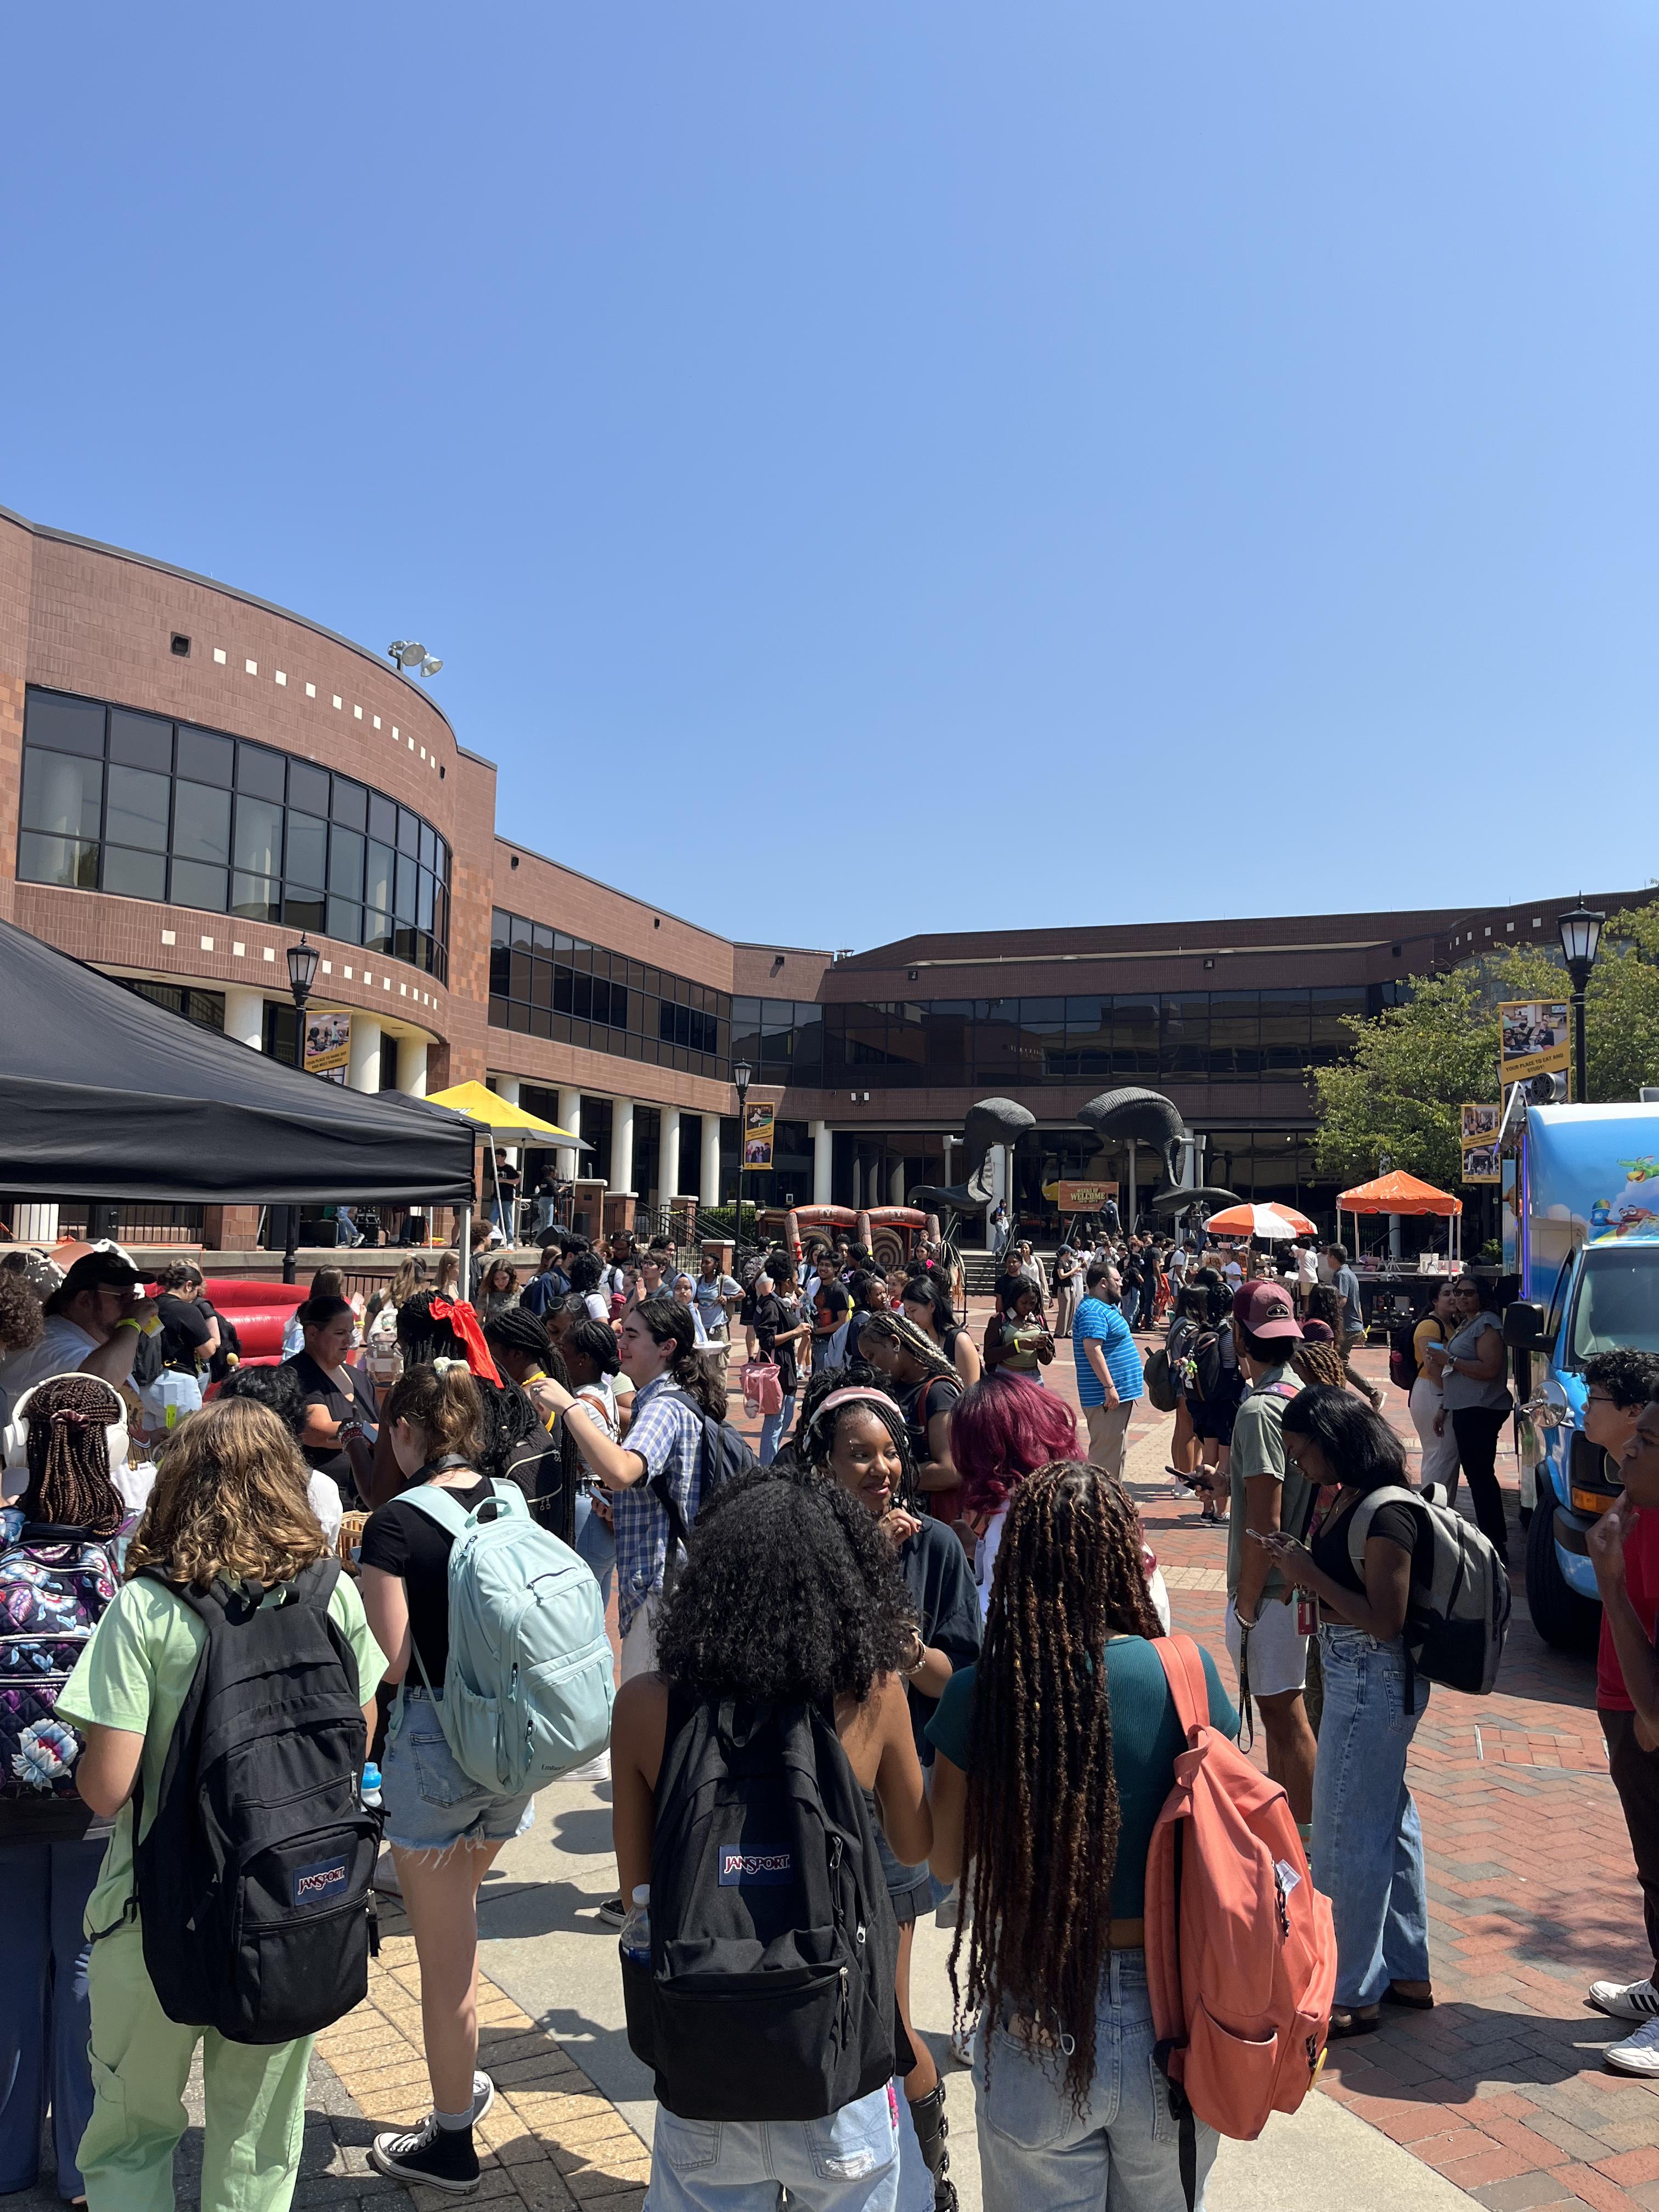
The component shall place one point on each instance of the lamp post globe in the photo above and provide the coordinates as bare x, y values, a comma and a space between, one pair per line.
302, 960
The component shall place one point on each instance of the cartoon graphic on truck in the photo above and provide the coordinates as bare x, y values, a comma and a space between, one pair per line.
1588, 1266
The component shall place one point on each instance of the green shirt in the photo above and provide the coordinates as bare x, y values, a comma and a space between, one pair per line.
135, 1674
1259, 1449
1146, 1739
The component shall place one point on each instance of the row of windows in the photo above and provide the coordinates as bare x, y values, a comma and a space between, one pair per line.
545, 982
1212, 1036
117, 801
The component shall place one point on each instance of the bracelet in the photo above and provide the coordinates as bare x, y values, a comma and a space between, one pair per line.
1246, 1625
132, 1322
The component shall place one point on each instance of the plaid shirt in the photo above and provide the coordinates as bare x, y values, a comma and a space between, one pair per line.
668, 1435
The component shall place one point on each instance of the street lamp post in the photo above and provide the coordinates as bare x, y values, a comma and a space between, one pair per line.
742, 1076
302, 960
1581, 940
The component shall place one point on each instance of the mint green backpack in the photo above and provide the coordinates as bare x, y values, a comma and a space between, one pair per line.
530, 1686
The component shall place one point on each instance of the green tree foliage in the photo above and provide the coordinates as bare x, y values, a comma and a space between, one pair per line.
1414, 1066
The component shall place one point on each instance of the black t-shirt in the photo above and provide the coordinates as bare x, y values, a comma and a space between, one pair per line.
321, 1389
185, 1330
921, 1403
1396, 1523
771, 1315
940, 1580
400, 1540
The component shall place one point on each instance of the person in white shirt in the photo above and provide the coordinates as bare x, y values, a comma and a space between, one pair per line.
1307, 1272
93, 1322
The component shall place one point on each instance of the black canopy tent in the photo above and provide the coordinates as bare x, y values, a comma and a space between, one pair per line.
104, 1095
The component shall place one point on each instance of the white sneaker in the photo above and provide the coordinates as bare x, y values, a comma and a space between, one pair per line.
1637, 2053
1625, 2000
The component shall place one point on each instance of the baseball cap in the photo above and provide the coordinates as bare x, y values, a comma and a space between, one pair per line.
100, 1271
1266, 1311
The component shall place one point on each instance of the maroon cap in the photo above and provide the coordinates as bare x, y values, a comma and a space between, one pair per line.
1266, 1311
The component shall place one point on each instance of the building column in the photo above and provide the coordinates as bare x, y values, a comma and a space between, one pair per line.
570, 1117
412, 1066
708, 1183
622, 1144
668, 1153
36, 1221
823, 1161
895, 1183
364, 1068
245, 1018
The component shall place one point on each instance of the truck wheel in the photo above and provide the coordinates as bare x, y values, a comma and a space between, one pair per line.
1566, 1621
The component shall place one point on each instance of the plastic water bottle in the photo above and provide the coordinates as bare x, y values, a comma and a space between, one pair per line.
636, 1937
369, 1794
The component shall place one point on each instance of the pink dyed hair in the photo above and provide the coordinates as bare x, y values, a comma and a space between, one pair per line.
1003, 1429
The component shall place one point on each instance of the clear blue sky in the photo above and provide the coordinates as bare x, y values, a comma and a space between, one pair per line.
1079, 462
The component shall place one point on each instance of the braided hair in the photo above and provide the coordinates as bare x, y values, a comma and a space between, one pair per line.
1043, 1813
509, 1419
816, 1439
69, 1486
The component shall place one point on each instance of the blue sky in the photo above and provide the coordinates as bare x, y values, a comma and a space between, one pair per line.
1077, 463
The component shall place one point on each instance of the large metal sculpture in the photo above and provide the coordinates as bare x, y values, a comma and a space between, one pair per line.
993, 1121
1134, 1112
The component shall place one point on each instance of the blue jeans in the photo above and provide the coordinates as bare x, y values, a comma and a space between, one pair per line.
848, 2163
1367, 1846
596, 1543
775, 1427
45, 2015
1126, 2148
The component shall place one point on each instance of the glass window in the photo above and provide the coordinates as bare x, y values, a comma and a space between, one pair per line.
809, 1042
1089, 1037
306, 861
259, 846
308, 786
200, 824
196, 883
345, 863
1331, 1038
302, 910
254, 897
1235, 1035
261, 773
57, 860
137, 811
345, 920
408, 833
140, 740
1284, 1031
403, 900
382, 818
71, 725
63, 794
423, 900
1134, 1034
380, 877
377, 932
428, 846
135, 875
1186, 1033
350, 805
208, 758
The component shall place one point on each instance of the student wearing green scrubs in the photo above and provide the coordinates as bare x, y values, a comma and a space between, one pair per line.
229, 1500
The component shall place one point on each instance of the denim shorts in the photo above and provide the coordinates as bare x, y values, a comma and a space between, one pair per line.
430, 1805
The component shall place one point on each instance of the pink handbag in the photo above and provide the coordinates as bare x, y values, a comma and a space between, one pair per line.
763, 1387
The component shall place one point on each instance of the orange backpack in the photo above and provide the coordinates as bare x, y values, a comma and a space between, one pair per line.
1240, 1953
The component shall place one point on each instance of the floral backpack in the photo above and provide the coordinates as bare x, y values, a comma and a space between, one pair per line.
54, 1586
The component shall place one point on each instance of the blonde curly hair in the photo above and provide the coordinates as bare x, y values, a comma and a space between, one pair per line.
230, 1499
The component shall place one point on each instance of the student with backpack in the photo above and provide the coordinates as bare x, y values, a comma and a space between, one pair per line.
1056, 1755
746, 1776
1367, 1842
56, 1581
237, 1642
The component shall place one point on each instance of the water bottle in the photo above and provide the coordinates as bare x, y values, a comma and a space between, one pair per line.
636, 1937
369, 1795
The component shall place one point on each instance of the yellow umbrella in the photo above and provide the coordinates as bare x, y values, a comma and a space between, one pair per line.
508, 1124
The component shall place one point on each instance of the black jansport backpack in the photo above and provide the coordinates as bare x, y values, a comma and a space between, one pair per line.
769, 1994
252, 1881
1457, 1619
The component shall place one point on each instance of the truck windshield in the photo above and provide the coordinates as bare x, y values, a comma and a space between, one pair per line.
1618, 1302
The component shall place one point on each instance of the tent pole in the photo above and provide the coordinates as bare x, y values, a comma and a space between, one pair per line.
464, 1249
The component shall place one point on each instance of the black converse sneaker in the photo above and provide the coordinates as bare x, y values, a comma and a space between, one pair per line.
440, 2158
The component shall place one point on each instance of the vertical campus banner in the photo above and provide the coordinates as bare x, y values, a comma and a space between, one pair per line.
328, 1045
1478, 1136
1533, 1039
757, 1131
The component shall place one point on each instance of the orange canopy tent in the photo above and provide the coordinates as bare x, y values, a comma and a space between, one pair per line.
1399, 1193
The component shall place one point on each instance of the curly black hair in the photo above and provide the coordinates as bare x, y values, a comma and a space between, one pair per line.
279, 1388
21, 1319
1628, 1377
790, 1594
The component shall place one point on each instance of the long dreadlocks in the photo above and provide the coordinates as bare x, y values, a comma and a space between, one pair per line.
68, 1422
1042, 1806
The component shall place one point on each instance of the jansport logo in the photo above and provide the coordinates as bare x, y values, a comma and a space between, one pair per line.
759, 1868
316, 1885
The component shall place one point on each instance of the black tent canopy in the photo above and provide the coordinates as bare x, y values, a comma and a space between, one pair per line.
104, 1095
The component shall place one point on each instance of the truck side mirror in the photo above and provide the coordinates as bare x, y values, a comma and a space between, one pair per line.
1523, 1326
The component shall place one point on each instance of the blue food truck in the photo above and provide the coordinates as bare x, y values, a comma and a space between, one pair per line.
1580, 1230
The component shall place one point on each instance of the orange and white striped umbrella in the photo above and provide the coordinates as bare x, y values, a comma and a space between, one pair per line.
1275, 1221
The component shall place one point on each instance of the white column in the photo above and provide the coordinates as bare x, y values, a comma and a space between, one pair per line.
668, 1154
622, 1144
895, 1183
245, 1018
823, 1160
412, 1066
570, 1117
708, 1183
364, 1068
36, 1221
506, 1089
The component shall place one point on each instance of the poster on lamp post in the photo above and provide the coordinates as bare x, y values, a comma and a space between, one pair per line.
1533, 1038
757, 1130
328, 1045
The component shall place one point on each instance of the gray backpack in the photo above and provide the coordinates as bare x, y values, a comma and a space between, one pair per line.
1457, 1618
529, 1684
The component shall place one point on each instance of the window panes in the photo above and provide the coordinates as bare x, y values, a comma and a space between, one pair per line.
71, 725
260, 772
57, 860
350, 805
408, 833
308, 786
137, 812
135, 875
382, 818
259, 846
62, 795
345, 920
254, 898
302, 910
381, 877
402, 903
201, 823
140, 741
206, 756
345, 864
195, 883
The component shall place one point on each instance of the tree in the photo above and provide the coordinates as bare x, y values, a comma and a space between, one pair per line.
1414, 1064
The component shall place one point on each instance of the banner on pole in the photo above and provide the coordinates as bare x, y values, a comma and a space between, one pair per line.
758, 1125
1533, 1038
1481, 1161
328, 1045
1480, 1121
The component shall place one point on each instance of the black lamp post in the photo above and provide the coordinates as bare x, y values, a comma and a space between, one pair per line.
302, 960
1581, 938
742, 1076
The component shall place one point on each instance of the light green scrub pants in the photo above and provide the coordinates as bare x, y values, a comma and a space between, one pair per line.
256, 2100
